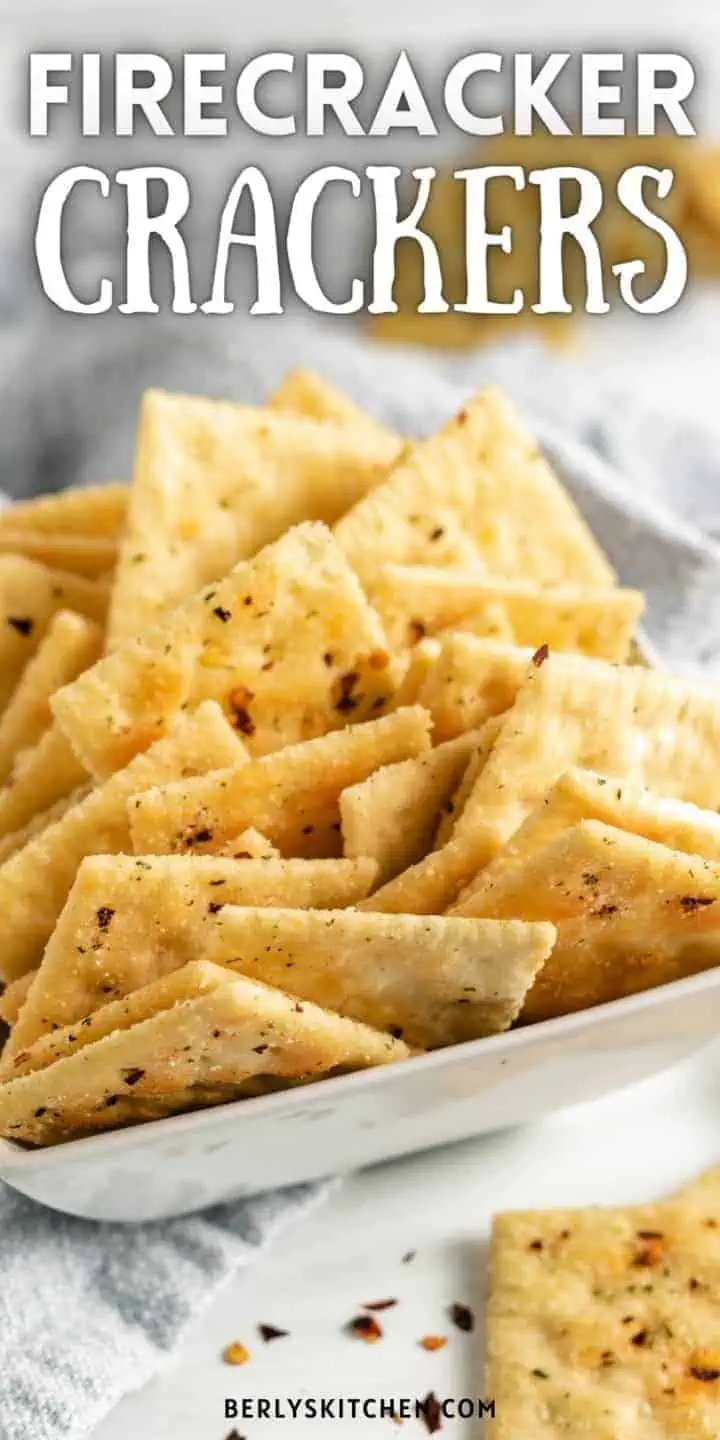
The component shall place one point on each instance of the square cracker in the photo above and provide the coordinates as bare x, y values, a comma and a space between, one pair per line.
35, 881
291, 797
190, 980
625, 721
426, 979
42, 777
416, 666
432, 885
70, 644
236, 1039
392, 816
287, 644
14, 996
213, 482
487, 734
92, 556
30, 594
471, 681
483, 475
95, 510
18, 839
129, 920
583, 795
630, 914
606, 1322
306, 393
422, 600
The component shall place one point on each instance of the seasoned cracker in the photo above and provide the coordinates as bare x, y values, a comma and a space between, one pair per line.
237, 1039
14, 996
426, 979
287, 644
393, 815
433, 885
70, 644
308, 394
583, 795
291, 797
471, 681
481, 478
606, 1322
487, 735
213, 482
30, 594
639, 725
630, 914
97, 510
128, 921
92, 556
42, 777
35, 881
418, 600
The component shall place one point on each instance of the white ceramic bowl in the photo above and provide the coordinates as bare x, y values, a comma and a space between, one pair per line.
169, 1167
187, 1162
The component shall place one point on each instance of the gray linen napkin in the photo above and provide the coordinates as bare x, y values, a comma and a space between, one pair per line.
89, 1312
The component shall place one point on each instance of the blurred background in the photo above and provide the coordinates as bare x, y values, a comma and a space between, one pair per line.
69, 385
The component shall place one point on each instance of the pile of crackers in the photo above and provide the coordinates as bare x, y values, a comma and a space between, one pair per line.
321, 748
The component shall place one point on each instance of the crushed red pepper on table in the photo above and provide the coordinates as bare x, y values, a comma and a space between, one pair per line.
431, 1413
433, 1342
271, 1332
365, 1327
236, 1354
462, 1316
379, 1304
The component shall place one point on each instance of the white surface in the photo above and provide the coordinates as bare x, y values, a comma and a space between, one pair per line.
639, 1144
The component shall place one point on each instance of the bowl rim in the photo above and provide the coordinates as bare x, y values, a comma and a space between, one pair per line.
15, 1157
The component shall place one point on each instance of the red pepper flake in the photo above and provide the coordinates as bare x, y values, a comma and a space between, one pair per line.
131, 1077
271, 1332
536, 1245
104, 916
22, 624
690, 903
236, 1353
704, 1373
238, 700
650, 1249
462, 417
379, 1304
462, 1316
222, 614
433, 1342
234, 1435
431, 1413
343, 698
639, 1339
540, 656
365, 1327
